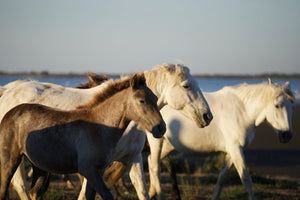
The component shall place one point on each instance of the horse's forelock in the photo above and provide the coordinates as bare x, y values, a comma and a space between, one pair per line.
282, 90
175, 71
279, 90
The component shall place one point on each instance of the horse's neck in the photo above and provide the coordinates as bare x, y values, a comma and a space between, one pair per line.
111, 112
254, 98
156, 81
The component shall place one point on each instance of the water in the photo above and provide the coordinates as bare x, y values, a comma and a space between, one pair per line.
64, 81
206, 84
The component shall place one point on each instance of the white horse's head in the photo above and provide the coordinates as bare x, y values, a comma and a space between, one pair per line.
181, 92
279, 111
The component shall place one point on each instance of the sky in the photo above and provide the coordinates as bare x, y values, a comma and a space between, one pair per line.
210, 37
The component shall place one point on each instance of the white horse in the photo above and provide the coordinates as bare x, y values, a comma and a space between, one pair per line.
172, 84
237, 112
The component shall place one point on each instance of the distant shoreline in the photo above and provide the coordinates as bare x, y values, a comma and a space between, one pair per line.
71, 74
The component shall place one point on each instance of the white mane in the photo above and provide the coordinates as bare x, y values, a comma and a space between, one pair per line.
165, 73
263, 92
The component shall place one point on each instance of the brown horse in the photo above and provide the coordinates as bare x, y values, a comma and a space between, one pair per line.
81, 140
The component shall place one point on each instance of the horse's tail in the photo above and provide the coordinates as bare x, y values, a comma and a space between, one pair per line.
114, 172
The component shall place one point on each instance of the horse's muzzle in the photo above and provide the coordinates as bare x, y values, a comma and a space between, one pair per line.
159, 130
205, 119
285, 136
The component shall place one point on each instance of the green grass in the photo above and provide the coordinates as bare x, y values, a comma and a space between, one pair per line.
190, 188
269, 183
55, 195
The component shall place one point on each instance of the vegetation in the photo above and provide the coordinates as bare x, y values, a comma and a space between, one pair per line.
55, 195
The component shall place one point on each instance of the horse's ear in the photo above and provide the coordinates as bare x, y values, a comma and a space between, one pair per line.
287, 86
90, 78
134, 81
270, 81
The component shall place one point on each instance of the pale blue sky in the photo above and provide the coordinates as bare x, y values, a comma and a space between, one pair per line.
231, 37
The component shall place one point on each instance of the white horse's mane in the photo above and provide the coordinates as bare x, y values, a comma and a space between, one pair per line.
180, 70
265, 92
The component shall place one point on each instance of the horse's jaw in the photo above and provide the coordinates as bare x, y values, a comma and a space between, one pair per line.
260, 118
200, 117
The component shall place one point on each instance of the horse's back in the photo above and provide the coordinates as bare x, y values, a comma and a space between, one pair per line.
2, 89
14, 84
25, 114
43, 93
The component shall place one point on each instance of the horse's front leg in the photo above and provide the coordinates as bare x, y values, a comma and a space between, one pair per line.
95, 183
225, 168
136, 174
238, 159
166, 161
154, 165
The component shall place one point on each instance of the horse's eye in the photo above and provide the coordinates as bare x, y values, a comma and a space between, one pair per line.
277, 106
186, 86
142, 101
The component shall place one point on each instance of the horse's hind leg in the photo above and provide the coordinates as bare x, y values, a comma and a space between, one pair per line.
67, 179
9, 164
19, 182
40, 183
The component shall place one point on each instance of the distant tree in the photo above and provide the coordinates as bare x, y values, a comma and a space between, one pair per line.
45, 73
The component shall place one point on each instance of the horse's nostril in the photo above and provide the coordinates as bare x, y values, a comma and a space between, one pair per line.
206, 117
284, 135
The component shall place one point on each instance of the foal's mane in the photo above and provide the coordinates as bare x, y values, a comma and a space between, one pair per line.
115, 87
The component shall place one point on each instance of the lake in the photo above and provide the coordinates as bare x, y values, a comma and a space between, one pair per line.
206, 84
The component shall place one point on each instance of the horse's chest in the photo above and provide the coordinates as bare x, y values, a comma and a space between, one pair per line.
249, 136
